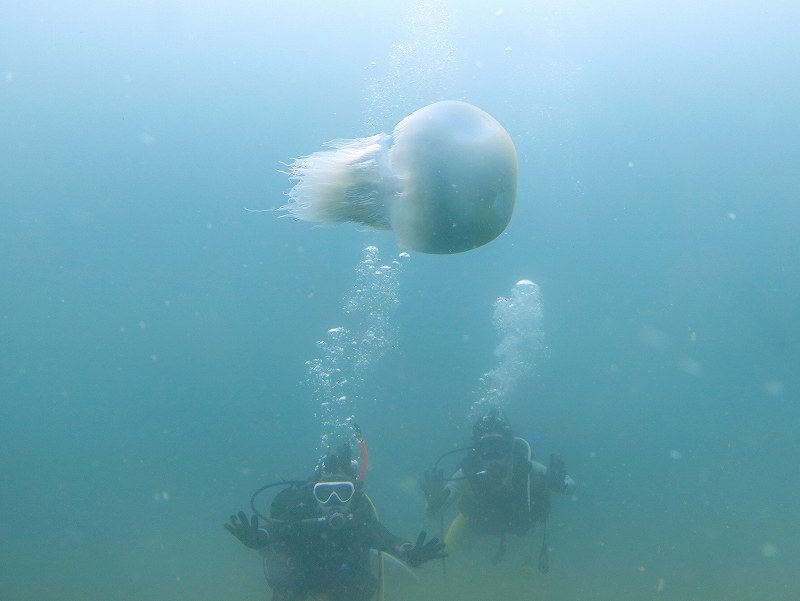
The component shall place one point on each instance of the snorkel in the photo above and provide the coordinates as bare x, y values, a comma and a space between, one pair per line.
362, 449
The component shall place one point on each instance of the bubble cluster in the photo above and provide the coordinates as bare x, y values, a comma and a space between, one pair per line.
347, 354
329, 383
518, 321
372, 301
418, 67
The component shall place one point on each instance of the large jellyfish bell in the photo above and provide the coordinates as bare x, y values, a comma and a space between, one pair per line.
445, 181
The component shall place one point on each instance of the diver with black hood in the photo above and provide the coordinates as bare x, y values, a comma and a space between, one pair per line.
499, 488
320, 532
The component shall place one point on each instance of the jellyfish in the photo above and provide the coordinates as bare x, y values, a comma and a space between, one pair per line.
444, 181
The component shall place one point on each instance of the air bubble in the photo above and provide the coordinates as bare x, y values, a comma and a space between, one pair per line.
518, 320
348, 353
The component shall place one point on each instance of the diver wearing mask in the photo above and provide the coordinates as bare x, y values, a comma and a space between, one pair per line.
498, 487
320, 532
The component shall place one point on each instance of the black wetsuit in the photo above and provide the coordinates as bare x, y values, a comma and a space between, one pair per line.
314, 555
491, 506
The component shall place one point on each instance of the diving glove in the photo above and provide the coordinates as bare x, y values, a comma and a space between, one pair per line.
417, 554
247, 531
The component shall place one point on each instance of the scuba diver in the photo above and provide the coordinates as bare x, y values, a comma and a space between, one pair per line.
316, 541
499, 488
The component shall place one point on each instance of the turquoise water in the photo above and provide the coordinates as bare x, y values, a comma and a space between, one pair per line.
156, 325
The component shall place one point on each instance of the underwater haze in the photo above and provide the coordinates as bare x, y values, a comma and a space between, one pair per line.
169, 343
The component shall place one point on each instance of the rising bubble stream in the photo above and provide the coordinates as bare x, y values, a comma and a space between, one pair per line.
518, 320
348, 353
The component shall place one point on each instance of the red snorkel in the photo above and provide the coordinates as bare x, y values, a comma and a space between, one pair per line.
362, 448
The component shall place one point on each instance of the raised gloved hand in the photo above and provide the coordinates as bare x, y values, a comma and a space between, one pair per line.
247, 531
556, 473
417, 554
432, 484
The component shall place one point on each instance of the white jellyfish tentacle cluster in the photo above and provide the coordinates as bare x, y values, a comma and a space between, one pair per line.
350, 181
444, 182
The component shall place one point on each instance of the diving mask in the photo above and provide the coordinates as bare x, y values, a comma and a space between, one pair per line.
493, 448
334, 493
